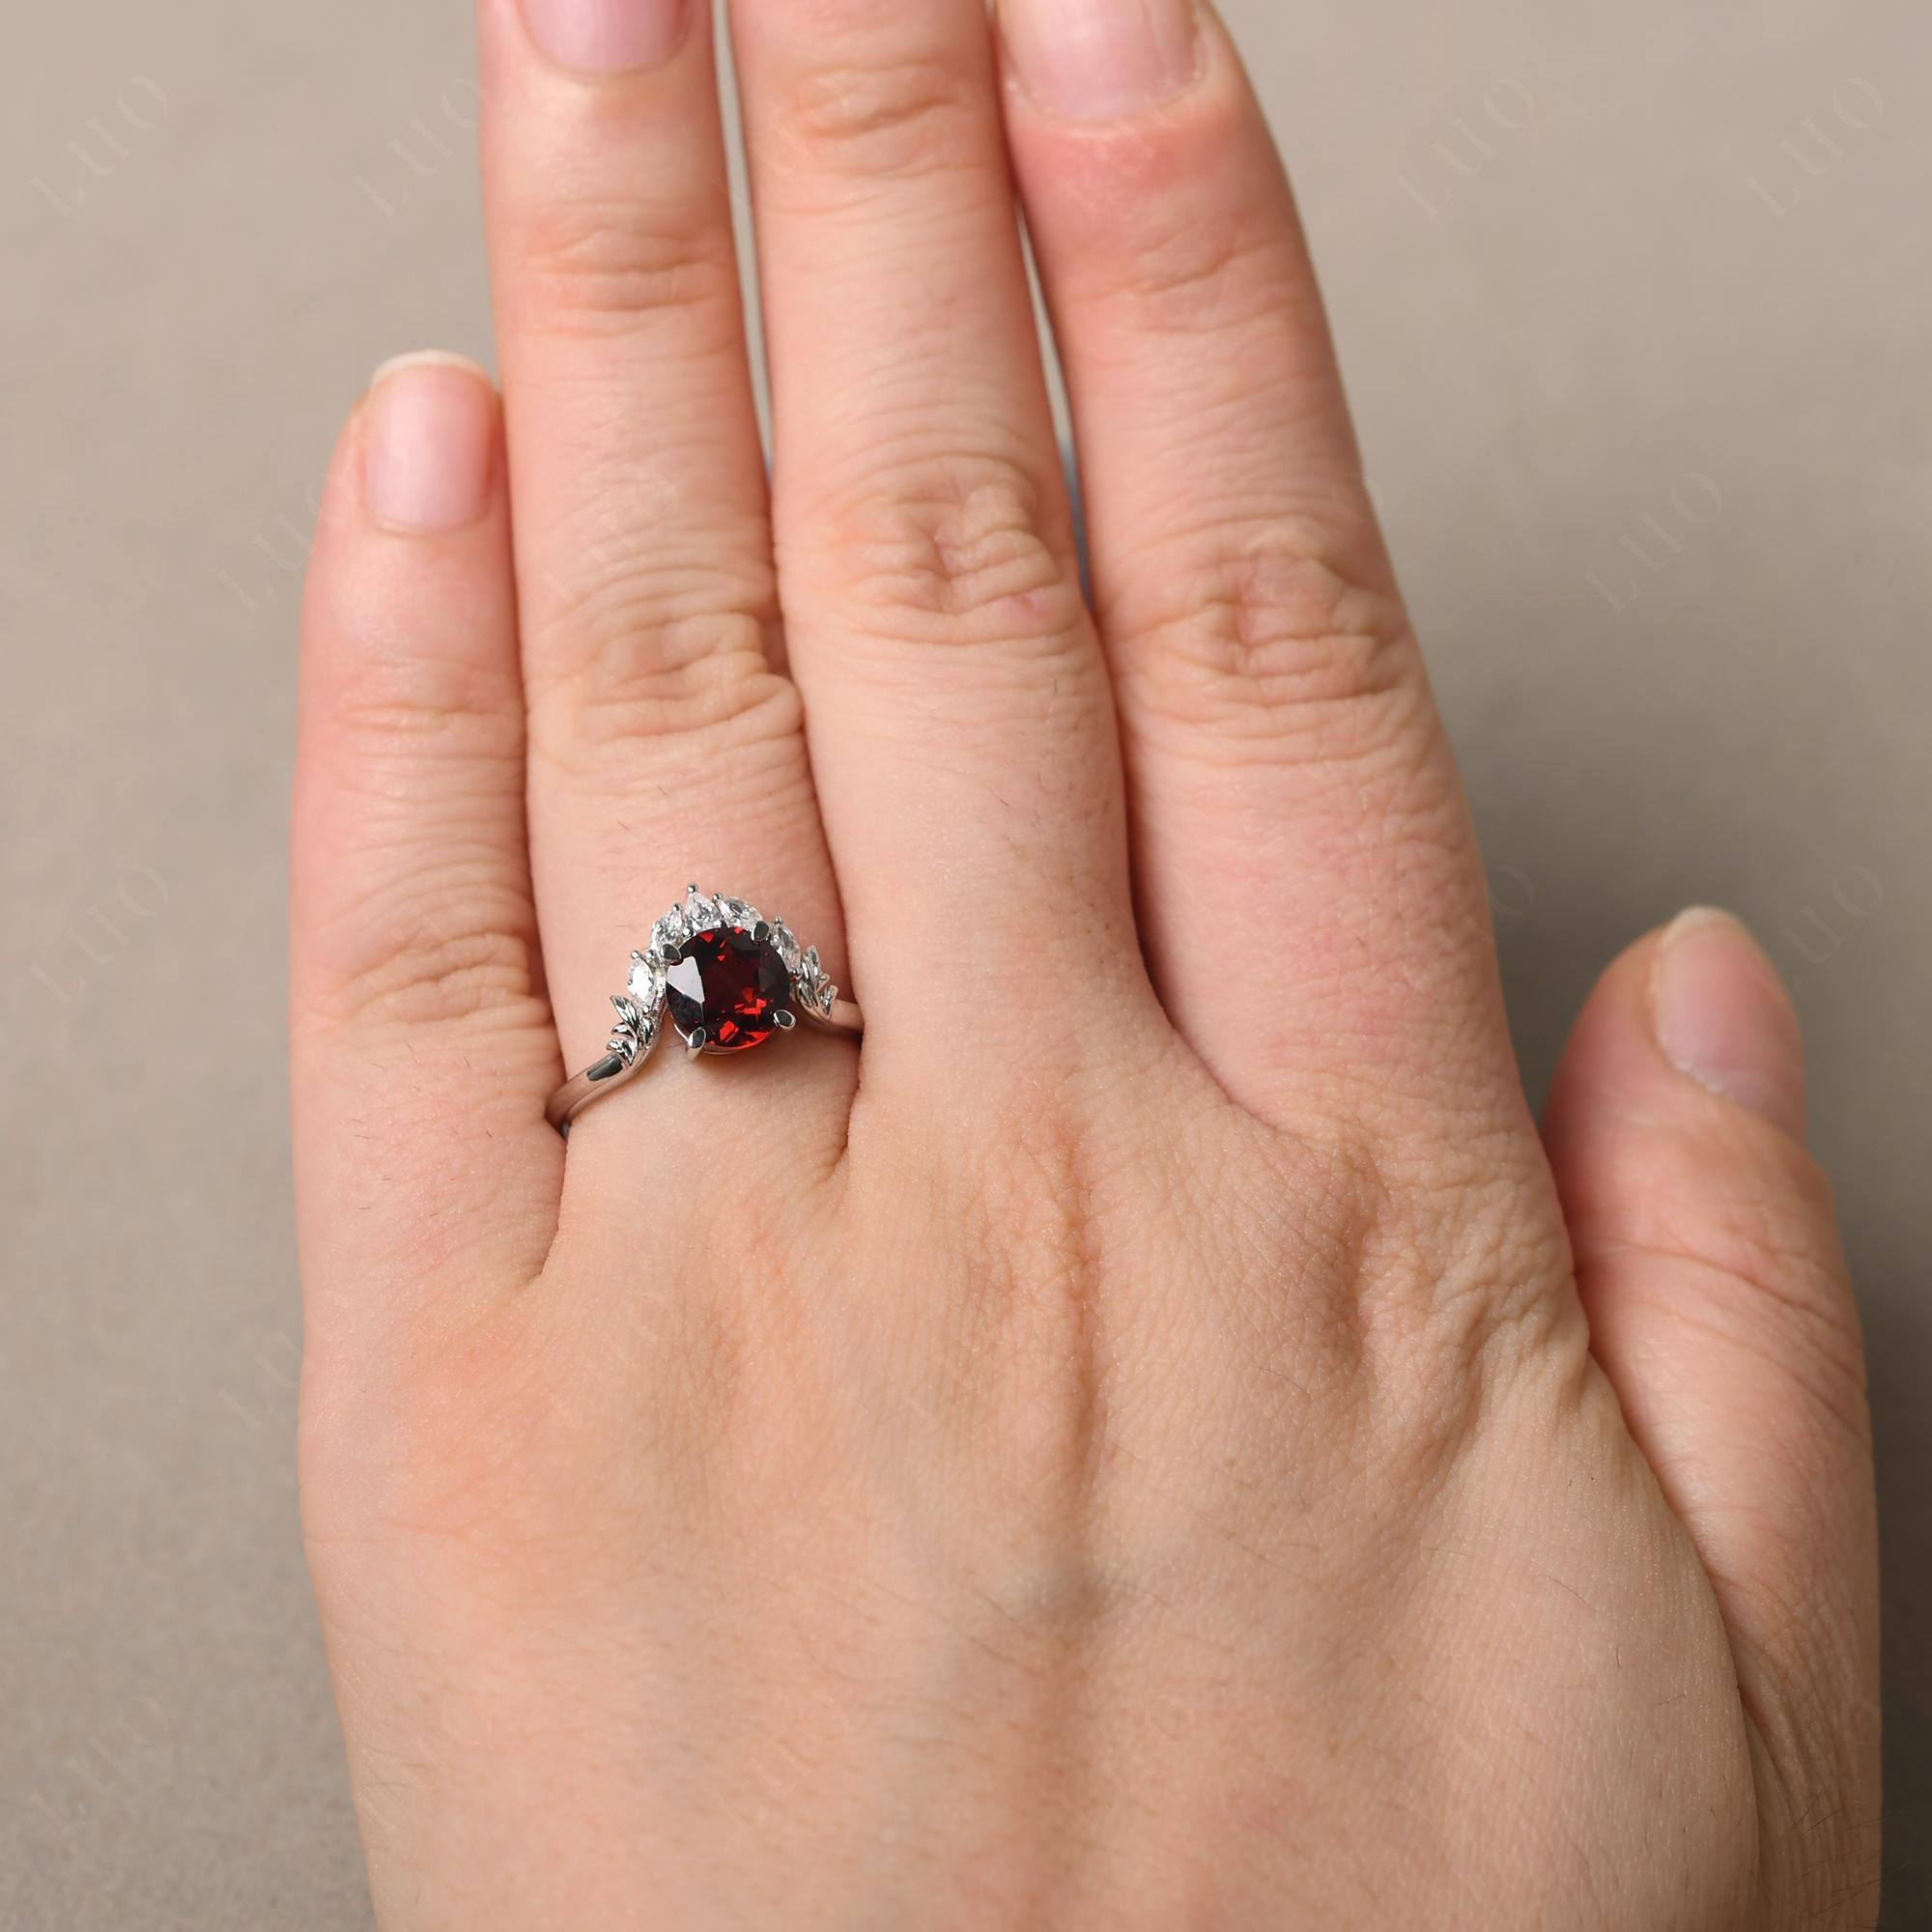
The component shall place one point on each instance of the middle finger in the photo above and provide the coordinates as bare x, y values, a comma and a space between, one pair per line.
959, 713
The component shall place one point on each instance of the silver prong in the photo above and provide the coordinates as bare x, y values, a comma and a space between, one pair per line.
784, 1020
696, 1041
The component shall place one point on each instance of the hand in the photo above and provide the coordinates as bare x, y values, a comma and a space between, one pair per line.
1152, 1438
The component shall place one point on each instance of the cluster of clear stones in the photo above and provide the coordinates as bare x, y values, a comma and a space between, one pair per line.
813, 988
636, 1030
641, 1009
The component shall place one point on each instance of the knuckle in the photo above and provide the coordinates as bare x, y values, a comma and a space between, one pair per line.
1440, 1272
441, 930
882, 117
1824, 1345
1026, 1362
447, 939
1768, 1228
1268, 635
1171, 229
1268, 653
398, 699
659, 647
1191, 270
590, 266
1755, 1218
970, 551
703, 680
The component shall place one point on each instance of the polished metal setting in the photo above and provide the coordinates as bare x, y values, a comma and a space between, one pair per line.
642, 1012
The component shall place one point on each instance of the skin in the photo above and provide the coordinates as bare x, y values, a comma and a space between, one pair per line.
1156, 1437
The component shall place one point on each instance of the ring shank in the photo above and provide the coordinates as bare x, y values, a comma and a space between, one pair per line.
844, 1017
577, 1092
613, 1069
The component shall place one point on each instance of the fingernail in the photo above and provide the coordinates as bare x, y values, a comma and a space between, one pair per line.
428, 441
1102, 60
608, 36
1722, 1016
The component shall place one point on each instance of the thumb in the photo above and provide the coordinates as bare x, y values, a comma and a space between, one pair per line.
1718, 1306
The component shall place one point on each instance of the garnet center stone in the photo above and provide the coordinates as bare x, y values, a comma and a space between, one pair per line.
732, 987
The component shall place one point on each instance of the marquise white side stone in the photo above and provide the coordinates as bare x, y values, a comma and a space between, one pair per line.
647, 979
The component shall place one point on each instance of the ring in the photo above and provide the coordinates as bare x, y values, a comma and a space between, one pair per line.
727, 977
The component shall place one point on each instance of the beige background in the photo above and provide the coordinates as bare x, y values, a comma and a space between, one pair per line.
1636, 306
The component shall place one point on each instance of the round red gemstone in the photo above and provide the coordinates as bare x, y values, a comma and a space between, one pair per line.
731, 987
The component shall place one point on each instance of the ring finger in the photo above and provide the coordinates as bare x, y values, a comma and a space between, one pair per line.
664, 745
